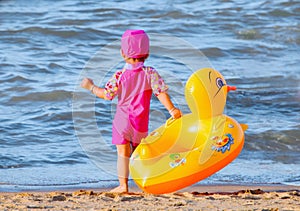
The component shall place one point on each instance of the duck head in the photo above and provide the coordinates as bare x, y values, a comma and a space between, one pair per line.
206, 91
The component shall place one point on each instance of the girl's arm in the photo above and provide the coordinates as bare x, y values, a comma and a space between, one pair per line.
88, 84
166, 101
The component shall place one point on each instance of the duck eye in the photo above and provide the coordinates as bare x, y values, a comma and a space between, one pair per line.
220, 82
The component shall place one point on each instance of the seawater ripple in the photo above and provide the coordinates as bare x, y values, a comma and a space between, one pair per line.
44, 46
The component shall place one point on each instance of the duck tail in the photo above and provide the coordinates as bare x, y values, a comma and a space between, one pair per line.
244, 127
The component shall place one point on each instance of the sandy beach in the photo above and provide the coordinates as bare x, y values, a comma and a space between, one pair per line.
231, 197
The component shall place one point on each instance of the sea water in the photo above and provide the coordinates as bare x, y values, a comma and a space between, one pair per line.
55, 135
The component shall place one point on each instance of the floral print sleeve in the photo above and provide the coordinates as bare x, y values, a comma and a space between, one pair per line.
111, 87
157, 83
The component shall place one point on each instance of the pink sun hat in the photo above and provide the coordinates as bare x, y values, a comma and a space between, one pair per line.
135, 43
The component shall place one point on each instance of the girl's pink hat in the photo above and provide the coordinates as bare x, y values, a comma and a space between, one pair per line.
135, 43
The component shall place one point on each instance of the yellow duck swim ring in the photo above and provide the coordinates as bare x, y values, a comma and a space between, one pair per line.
187, 150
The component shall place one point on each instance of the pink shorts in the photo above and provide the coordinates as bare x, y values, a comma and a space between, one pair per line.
130, 136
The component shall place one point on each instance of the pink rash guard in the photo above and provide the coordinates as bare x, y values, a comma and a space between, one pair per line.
134, 86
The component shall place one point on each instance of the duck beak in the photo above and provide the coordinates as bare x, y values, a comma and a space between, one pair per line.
231, 88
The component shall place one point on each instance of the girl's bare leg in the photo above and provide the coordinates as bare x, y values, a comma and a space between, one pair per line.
124, 152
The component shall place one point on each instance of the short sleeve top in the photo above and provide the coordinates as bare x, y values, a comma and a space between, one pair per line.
157, 83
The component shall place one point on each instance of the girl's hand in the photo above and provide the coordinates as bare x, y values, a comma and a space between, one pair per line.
175, 113
87, 83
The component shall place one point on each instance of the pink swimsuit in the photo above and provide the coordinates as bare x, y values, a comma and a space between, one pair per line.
134, 86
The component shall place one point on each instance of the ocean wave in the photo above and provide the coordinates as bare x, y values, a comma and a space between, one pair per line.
283, 141
50, 96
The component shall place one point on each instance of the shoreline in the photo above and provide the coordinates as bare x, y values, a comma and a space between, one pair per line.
215, 188
231, 187
227, 188
196, 197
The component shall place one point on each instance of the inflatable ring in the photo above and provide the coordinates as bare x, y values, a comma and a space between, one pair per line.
186, 150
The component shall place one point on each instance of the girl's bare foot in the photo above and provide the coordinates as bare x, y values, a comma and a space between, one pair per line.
120, 189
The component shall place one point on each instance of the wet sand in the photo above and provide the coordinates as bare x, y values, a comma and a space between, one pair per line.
205, 197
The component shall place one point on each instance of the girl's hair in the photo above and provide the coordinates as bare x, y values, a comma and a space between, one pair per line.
141, 59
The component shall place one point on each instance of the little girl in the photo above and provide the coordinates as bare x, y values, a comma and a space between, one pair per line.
133, 85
